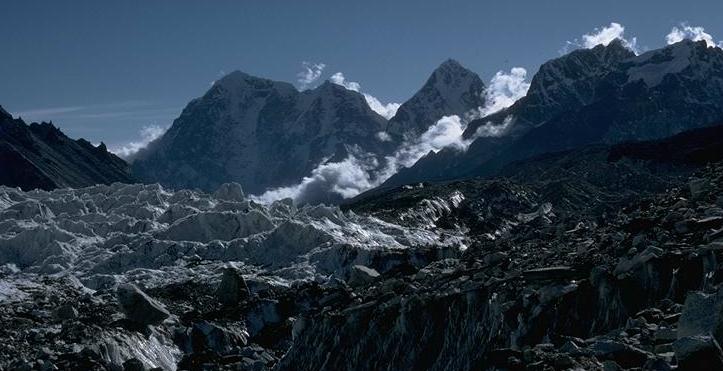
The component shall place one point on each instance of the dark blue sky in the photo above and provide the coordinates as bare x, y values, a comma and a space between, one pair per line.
103, 70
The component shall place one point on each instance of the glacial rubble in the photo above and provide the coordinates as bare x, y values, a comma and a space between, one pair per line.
96, 277
637, 290
486, 274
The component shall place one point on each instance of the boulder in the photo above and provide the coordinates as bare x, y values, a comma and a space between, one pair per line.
361, 275
206, 335
233, 288
133, 364
65, 312
700, 352
624, 355
699, 187
702, 315
626, 265
139, 307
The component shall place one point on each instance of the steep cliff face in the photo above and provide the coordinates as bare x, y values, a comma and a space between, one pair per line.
41, 156
259, 133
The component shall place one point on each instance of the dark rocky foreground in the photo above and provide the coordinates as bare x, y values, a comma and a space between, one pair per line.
537, 288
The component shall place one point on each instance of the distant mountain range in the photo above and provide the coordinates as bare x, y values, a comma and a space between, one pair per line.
602, 95
41, 156
266, 134
263, 133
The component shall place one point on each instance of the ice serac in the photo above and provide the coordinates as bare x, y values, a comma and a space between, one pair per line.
41, 156
450, 90
259, 133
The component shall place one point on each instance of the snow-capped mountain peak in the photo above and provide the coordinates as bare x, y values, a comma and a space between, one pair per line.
450, 90
260, 133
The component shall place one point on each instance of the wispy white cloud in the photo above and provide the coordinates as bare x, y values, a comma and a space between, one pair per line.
147, 135
45, 112
385, 110
339, 79
361, 171
695, 33
310, 73
602, 35
95, 111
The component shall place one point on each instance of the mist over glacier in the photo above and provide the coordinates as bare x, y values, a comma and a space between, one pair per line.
361, 171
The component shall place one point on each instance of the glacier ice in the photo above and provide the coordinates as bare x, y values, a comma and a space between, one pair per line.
108, 235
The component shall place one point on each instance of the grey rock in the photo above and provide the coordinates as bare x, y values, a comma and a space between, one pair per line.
666, 335
624, 355
362, 275
702, 315
139, 307
233, 288
657, 365
133, 364
495, 257
699, 187
66, 311
698, 352
610, 366
626, 265
220, 339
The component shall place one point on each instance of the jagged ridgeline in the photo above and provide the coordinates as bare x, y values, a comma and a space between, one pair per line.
41, 156
264, 134
605, 94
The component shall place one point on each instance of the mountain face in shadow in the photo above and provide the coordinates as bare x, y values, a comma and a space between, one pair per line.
41, 156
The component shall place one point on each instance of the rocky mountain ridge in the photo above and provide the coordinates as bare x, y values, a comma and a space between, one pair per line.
601, 95
265, 134
41, 156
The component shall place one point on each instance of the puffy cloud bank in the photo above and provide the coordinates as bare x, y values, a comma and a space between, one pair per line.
603, 35
386, 110
695, 33
361, 171
346, 179
148, 134
504, 89
310, 73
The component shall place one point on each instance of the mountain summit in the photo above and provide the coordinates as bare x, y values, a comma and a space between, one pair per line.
260, 133
606, 94
450, 90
